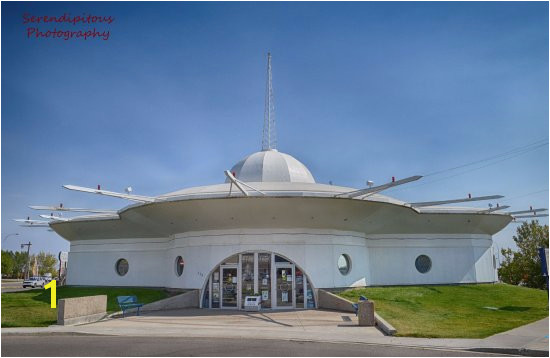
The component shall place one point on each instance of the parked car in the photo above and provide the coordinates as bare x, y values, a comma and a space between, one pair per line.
34, 282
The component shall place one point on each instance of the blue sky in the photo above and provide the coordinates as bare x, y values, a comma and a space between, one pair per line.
363, 91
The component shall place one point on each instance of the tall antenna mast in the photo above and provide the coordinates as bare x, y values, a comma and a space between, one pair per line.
269, 138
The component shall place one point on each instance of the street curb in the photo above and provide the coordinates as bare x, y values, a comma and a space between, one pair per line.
54, 333
512, 351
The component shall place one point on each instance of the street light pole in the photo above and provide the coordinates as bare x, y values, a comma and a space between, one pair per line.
8, 235
28, 259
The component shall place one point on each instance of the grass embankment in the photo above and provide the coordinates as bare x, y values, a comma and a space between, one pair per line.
32, 308
455, 311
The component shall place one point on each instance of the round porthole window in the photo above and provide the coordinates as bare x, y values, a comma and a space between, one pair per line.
179, 265
344, 264
121, 267
423, 263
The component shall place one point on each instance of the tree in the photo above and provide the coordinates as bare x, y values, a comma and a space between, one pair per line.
46, 263
20, 264
8, 263
524, 266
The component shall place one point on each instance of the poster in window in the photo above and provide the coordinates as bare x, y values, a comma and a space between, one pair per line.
265, 295
284, 296
216, 276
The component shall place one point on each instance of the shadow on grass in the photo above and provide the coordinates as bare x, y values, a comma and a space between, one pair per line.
514, 308
432, 289
43, 296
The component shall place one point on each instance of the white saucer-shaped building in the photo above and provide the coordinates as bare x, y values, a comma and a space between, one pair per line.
271, 230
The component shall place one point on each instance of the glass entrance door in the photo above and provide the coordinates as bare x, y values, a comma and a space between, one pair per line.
277, 280
285, 286
229, 287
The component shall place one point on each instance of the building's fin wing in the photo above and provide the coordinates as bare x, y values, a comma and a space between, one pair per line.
53, 217
496, 208
237, 183
29, 221
443, 202
249, 186
531, 210
81, 210
375, 189
132, 197
534, 215
34, 223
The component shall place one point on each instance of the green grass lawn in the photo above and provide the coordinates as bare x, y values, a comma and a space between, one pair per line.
455, 311
32, 308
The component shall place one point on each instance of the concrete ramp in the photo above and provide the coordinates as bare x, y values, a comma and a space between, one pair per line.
189, 299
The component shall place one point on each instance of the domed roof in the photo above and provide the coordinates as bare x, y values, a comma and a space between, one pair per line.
271, 166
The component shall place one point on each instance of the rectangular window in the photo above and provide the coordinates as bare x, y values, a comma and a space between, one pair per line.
206, 296
264, 278
247, 276
299, 289
309, 296
216, 289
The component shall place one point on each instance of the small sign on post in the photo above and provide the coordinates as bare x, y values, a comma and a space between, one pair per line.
543, 254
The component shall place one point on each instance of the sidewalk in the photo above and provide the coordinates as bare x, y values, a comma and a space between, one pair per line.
310, 325
528, 339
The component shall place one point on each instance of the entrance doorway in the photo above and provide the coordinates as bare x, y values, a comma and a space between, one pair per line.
277, 280
285, 286
229, 287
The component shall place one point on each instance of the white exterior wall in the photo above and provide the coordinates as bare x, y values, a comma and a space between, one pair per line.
92, 262
374, 260
454, 259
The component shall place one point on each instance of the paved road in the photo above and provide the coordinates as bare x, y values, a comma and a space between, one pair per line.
13, 286
79, 345
17, 289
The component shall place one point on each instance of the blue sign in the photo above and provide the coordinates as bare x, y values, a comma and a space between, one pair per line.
543, 262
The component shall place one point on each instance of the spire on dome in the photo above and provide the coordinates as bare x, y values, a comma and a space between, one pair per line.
269, 137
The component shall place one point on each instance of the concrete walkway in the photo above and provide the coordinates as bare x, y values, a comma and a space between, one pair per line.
296, 325
530, 338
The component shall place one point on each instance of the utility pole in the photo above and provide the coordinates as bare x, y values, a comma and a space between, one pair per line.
28, 258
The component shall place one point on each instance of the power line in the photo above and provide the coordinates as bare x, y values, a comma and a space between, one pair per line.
483, 166
536, 144
523, 195
505, 156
